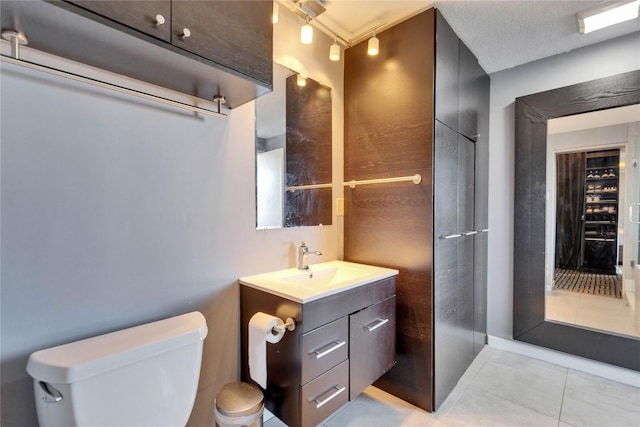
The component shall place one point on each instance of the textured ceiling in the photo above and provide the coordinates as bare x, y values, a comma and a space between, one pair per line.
502, 34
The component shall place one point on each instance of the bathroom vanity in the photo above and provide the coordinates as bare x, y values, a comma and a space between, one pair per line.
344, 338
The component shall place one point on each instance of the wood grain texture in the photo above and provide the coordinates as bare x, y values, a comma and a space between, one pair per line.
389, 133
139, 15
532, 114
235, 34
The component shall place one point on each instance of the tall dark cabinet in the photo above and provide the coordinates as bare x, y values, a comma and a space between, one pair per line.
600, 231
433, 121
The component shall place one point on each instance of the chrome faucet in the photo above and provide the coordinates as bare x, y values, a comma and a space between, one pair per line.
303, 254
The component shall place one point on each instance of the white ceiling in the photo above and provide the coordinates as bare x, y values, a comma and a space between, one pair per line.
501, 33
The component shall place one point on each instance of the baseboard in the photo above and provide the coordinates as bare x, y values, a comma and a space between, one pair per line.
615, 373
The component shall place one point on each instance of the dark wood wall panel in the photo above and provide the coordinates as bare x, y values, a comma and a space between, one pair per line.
389, 133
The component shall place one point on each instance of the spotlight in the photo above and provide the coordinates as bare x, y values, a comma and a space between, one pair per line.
334, 51
306, 33
373, 47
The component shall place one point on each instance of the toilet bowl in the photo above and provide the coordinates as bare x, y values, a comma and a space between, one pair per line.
141, 376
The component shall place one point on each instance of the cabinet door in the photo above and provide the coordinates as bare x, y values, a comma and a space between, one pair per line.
482, 217
470, 87
372, 341
139, 15
234, 34
453, 259
446, 78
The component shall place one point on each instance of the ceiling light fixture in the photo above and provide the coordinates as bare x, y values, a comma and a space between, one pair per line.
373, 47
301, 80
334, 51
276, 13
610, 13
306, 33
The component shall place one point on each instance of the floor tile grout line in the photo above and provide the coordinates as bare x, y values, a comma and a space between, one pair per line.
513, 403
457, 399
564, 390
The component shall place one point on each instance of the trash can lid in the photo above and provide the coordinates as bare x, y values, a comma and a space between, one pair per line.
239, 399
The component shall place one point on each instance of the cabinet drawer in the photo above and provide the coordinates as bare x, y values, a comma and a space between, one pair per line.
323, 348
372, 339
325, 395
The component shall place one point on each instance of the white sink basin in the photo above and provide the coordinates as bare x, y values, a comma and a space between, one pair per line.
319, 281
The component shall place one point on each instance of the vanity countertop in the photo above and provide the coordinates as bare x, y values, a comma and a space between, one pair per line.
321, 280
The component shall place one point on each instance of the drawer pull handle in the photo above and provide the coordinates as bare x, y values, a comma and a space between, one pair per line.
375, 325
450, 236
321, 403
469, 233
332, 346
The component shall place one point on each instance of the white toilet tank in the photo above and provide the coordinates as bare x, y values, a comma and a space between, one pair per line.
142, 376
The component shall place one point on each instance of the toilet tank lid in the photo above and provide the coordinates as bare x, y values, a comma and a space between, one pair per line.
72, 362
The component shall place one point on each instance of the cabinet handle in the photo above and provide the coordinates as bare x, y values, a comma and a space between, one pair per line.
332, 346
338, 390
450, 236
484, 230
631, 213
375, 325
185, 33
159, 20
469, 233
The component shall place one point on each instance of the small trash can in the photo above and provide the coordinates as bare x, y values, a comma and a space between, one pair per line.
239, 404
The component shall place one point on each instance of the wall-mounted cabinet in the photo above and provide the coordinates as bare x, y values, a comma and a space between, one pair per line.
199, 48
342, 343
149, 17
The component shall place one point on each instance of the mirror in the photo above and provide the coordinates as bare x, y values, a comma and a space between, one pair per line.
591, 240
293, 152
532, 116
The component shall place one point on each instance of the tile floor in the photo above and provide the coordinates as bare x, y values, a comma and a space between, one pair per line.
592, 311
501, 388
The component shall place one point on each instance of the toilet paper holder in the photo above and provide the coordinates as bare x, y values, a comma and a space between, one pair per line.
289, 324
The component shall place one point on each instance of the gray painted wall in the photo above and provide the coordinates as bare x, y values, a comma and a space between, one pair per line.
118, 211
601, 60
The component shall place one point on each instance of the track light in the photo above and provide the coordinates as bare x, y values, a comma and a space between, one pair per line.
607, 14
334, 51
306, 33
276, 13
373, 47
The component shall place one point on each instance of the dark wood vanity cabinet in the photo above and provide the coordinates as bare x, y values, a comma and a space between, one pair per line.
139, 15
342, 344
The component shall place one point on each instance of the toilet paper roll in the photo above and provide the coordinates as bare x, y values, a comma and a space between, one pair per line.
260, 333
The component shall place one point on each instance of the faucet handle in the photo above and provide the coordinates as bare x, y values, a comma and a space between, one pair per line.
302, 243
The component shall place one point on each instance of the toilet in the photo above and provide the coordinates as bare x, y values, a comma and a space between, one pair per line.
142, 376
